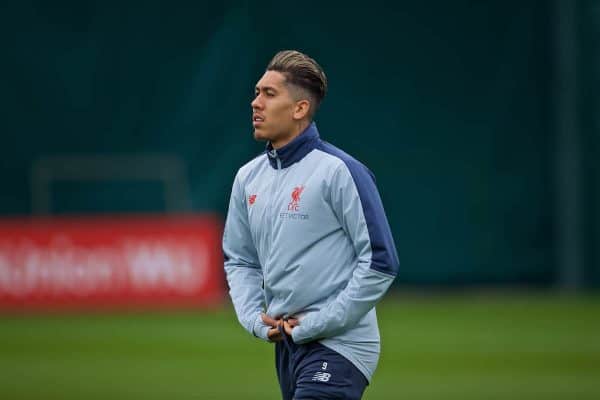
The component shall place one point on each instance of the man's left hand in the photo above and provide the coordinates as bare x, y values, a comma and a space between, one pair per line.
289, 324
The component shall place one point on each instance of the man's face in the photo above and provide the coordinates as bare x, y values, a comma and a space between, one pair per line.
273, 109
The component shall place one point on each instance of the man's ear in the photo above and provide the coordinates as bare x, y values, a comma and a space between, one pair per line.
301, 109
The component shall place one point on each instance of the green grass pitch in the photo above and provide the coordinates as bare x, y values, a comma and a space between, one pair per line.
434, 347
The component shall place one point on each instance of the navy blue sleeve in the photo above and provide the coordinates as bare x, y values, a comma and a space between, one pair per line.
384, 255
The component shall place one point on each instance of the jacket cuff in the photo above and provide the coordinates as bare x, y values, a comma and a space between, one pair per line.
260, 330
302, 333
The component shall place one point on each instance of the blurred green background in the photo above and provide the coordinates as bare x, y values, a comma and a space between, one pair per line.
433, 347
481, 121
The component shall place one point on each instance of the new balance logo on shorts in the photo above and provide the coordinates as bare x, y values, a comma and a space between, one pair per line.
321, 377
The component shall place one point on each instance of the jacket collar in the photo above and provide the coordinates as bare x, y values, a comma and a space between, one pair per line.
295, 150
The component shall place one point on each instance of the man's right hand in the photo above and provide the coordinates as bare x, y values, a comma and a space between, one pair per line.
274, 334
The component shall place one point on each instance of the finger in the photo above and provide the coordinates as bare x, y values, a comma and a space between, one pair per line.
269, 321
288, 328
274, 335
293, 322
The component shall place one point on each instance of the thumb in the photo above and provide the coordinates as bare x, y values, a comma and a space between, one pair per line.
268, 320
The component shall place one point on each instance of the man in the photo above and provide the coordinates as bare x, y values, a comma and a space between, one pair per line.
308, 249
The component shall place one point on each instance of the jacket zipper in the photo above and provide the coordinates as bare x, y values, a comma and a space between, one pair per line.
274, 211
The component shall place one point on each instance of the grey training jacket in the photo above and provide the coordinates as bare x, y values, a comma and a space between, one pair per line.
306, 236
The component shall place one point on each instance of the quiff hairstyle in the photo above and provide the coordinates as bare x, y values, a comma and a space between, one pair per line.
302, 72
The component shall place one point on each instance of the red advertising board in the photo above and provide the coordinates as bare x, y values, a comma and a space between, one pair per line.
111, 261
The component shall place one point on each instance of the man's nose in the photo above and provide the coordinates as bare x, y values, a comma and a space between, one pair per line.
256, 103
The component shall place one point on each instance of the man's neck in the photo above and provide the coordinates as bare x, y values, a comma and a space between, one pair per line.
298, 129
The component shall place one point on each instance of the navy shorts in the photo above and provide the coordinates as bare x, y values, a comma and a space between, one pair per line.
313, 371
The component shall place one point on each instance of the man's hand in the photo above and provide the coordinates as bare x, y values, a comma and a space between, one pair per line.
289, 324
274, 334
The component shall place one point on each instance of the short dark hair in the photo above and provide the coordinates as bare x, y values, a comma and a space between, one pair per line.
302, 71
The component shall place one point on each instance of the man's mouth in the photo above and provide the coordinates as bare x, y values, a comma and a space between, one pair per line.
257, 120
